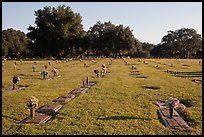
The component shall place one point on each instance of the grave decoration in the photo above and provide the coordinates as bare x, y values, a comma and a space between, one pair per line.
55, 71
97, 73
199, 62
85, 65
44, 73
34, 68
104, 68
16, 78
101, 73
32, 105
171, 104
45, 67
14, 65
171, 118
87, 80
133, 67
178, 104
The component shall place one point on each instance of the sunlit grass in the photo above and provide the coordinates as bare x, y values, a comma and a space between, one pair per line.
118, 104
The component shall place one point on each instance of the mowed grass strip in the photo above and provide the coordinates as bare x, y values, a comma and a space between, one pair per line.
118, 104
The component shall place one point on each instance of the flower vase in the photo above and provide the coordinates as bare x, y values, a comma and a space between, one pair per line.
32, 113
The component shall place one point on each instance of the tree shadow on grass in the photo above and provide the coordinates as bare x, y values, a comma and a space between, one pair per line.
9, 117
125, 118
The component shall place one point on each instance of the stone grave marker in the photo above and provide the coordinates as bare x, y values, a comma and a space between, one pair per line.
49, 108
151, 88
64, 98
38, 119
35, 118
140, 76
176, 121
197, 81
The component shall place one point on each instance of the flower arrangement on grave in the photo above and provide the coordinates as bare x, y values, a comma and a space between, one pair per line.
55, 71
172, 103
32, 105
32, 102
96, 72
16, 78
34, 68
133, 67
104, 68
44, 73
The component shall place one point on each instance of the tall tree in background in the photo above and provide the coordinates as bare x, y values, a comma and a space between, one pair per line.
108, 39
14, 43
56, 32
182, 43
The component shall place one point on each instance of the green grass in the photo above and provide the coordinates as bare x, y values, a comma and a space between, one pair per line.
117, 104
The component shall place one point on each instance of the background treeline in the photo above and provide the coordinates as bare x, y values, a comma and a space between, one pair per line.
58, 33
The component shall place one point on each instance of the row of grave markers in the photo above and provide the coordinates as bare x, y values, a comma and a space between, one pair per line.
44, 113
169, 117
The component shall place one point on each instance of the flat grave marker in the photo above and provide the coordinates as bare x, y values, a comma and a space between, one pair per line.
38, 119
49, 108
176, 121
64, 98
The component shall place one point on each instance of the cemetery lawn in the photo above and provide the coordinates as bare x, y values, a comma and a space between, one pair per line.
116, 105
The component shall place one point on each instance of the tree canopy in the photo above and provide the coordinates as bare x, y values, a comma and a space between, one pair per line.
14, 43
56, 31
182, 43
111, 40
